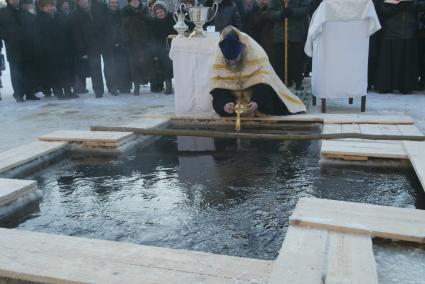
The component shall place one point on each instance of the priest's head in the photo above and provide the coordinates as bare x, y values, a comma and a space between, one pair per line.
232, 48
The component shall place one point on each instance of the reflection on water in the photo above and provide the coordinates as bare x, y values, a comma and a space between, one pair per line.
179, 193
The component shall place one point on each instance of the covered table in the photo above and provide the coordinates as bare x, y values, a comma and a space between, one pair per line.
338, 41
192, 62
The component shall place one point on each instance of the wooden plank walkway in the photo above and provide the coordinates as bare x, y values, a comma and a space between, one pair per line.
12, 189
49, 258
24, 154
301, 257
350, 260
416, 153
376, 221
90, 138
360, 149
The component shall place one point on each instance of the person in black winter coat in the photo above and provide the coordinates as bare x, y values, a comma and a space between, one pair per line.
64, 20
260, 27
51, 51
117, 66
296, 13
90, 26
398, 59
136, 33
162, 27
227, 15
16, 29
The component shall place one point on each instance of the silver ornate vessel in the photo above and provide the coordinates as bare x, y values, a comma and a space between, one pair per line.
199, 16
180, 25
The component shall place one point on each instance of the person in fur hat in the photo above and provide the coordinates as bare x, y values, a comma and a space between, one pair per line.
51, 46
162, 27
90, 25
137, 38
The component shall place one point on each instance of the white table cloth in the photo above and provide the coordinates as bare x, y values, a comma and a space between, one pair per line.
338, 40
192, 63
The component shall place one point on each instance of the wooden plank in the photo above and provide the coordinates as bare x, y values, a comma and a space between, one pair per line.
350, 260
385, 119
416, 153
409, 130
332, 129
301, 259
370, 129
389, 129
12, 189
26, 153
90, 136
350, 128
60, 259
373, 119
345, 157
364, 149
323, 117
365, 144
374, 220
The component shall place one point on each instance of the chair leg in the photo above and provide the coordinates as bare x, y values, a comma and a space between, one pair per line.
313, 101
350, 101
323, 105
363, 104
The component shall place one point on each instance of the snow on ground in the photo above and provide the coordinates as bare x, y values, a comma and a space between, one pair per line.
21, 123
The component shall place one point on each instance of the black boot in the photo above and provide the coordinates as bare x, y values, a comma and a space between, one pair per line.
168, 87
136, 91
32, 97
19, 99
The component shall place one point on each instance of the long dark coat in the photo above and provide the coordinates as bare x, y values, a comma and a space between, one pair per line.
120, 59
161, 29
136, 33
260, 28
90, 28
17, 31
398, 58
53, 51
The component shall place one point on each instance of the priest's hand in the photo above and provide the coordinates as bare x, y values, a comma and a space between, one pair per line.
252, 107
229, 108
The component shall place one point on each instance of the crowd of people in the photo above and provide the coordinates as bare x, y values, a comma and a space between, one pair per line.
54, 46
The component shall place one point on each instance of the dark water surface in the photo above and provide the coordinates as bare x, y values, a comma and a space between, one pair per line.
235, 200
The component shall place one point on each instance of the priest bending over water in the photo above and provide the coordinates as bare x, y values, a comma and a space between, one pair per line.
243, 79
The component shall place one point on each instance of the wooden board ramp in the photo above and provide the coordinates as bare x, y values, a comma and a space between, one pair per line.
90, 138
49, 258
12, 189
416, 153
311, 255
350, 260
361, 149
25, 154
373, 220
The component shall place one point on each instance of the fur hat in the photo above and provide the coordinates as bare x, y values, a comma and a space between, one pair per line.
159, 5
42, 3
